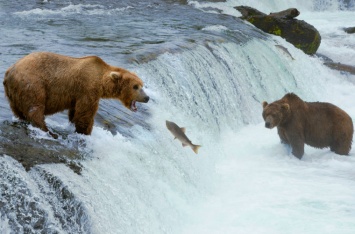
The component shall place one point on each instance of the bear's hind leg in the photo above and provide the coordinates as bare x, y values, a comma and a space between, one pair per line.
71, 114
36, 117
17, 112
341, 149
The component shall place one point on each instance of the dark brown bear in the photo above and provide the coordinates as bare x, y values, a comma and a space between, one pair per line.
317, 124
45, 83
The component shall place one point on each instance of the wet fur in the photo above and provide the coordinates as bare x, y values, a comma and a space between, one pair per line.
45, 83
317, 124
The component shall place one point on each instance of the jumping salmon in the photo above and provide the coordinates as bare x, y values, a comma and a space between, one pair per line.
179, 133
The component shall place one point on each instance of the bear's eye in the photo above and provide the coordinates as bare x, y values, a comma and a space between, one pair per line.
135, 87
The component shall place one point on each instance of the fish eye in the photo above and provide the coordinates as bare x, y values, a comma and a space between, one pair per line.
135, 87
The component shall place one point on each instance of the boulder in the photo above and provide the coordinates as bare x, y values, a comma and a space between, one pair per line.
350, 30
297, 32
17, 141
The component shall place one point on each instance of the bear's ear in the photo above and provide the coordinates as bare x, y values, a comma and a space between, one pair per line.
264, 104
115, 75
285, 106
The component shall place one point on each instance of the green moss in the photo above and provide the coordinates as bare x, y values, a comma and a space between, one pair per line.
299, 46
313, 47
310, 48
303, 38
276, 31
251, 20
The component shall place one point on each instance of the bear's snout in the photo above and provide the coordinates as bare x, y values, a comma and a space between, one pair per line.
267, 125
143, 97
146, 99
269, 122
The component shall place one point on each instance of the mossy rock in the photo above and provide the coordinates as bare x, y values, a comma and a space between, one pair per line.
350, 30
297, 32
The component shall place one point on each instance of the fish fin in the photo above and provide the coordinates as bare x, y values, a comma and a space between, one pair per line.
183, 130
195, 148
183, 145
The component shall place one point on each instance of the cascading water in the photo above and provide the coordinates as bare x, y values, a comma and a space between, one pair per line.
243, 180
274, 5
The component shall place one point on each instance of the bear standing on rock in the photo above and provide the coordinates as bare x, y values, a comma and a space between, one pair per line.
45, 83
317, 124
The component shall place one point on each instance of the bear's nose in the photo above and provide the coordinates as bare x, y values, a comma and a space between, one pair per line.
267, 125
146, 99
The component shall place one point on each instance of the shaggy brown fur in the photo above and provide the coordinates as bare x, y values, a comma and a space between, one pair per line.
317, 124
45, 83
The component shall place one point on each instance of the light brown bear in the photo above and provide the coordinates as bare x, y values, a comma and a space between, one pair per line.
317, 124
45, 83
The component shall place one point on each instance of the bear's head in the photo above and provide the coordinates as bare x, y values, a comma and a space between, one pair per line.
275, 113
129, 88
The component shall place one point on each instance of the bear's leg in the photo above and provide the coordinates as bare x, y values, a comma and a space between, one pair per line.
15, 105
36, 117
342, 148
71, 111
342, 139
297, 144
84, 116
71, 114
84, 126
298, 152
282, 136
17, 112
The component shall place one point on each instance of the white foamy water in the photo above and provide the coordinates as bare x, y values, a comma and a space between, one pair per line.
336, 43
274, 5
263, 189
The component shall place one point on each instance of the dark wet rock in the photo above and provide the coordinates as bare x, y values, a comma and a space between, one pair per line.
297, 32
249, 12
114, 117
286, 14
17, 142
350, 30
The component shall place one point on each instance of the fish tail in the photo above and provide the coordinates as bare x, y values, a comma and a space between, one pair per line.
195, 148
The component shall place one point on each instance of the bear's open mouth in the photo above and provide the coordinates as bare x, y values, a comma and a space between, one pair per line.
133, 106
